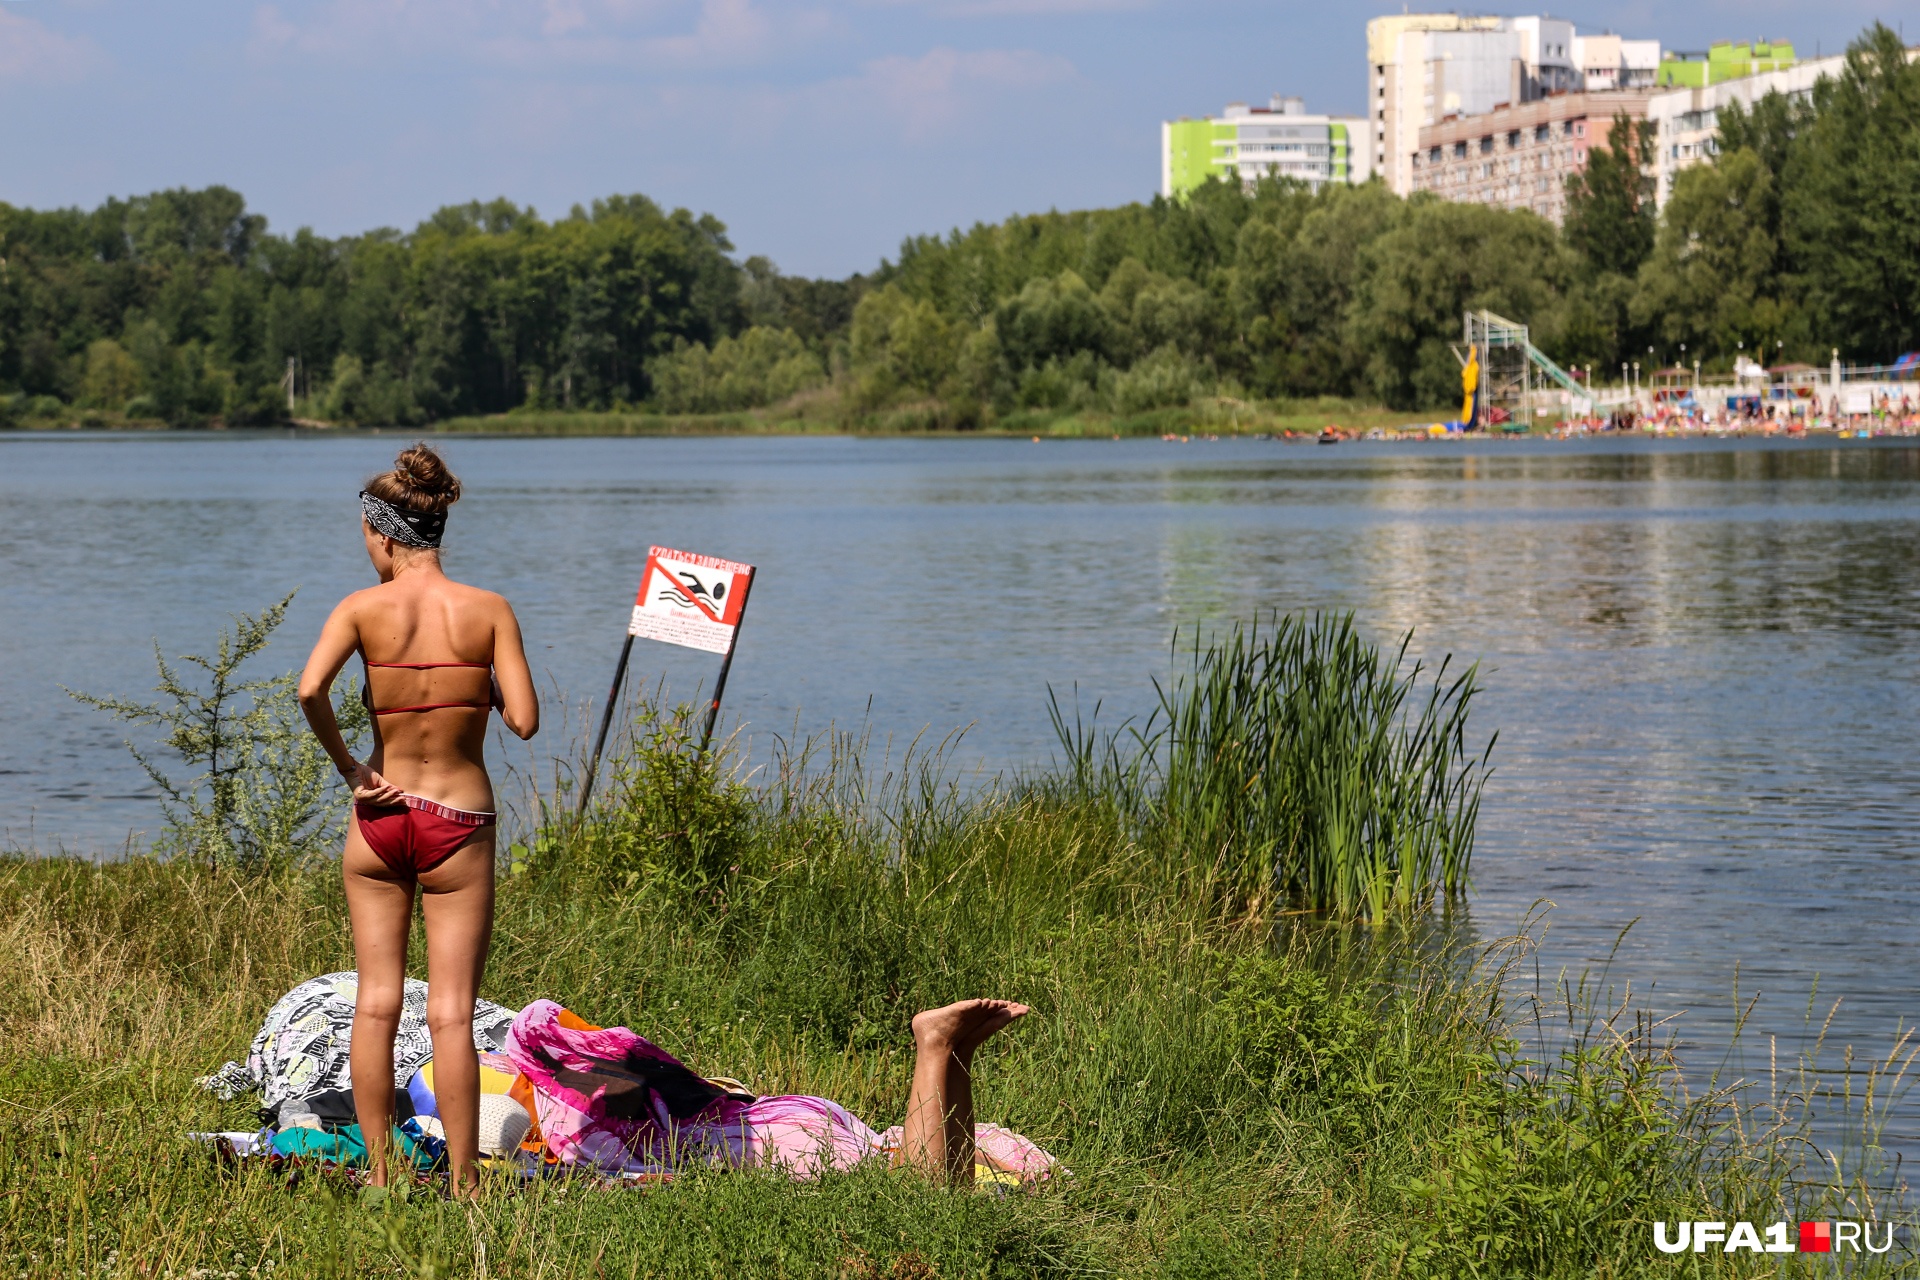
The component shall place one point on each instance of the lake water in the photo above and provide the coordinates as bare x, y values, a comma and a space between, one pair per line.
1697, 654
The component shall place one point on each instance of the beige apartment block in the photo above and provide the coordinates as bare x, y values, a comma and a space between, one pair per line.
1400, 97
1423, 68
1520, 157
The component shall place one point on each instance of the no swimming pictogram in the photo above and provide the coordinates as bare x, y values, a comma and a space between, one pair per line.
690, 600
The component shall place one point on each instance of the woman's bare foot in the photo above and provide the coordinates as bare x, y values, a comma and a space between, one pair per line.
961, 1027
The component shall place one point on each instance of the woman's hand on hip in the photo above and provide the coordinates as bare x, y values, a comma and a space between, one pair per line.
370, 788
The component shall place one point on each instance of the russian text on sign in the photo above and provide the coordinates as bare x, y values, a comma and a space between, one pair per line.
690, 600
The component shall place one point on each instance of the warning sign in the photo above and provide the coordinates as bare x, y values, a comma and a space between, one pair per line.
690, 600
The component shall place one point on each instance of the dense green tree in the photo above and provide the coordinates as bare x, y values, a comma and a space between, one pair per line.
1850, 200
1416, 281
482, 308
1710, 281
1611, 218
1055, 318
761, 366
1292, 286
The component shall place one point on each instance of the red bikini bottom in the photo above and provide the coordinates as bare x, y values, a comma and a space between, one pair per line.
417, 835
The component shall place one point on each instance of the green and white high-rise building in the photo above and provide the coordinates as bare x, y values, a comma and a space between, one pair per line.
1279, 140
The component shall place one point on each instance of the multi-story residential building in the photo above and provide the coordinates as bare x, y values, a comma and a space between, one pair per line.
1278, 140
1687, 121
1613, 62
1520, 157
1722, 62
1426, 67
1402, 94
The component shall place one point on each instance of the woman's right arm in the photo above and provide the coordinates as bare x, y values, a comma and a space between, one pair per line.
339, 640
519, 704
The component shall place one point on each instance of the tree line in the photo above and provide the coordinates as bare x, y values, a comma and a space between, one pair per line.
1798, 237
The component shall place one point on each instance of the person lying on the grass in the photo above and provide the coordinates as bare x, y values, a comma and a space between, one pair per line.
608, 1099
611, 1099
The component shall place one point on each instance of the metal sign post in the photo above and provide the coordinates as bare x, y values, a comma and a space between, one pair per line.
686, 599
606, 721
726, 665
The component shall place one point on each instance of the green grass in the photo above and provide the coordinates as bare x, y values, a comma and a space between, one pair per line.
824, 413
815, 416
1237, 1091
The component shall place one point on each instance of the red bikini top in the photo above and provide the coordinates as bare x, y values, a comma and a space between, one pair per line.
430, 706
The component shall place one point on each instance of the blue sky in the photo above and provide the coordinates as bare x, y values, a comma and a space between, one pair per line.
820, 131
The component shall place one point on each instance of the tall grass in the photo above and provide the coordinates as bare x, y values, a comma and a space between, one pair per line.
1236, 1092
1292, 756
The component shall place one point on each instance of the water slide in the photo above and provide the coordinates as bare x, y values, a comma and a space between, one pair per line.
1553, 371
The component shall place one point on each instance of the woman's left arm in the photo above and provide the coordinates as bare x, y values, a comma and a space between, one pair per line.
519, 704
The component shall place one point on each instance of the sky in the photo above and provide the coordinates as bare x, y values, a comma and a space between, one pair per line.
822, 132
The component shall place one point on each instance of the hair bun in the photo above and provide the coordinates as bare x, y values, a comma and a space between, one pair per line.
419, 481
423, 471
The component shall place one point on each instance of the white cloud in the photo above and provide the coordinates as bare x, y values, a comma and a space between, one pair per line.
31, 53
1036, 8
1018, 8
926, 95
668, 34
729, 31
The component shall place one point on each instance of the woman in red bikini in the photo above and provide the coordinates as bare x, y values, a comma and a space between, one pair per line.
439, 657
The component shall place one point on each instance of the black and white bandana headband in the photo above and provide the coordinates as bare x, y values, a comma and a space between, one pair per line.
409, 528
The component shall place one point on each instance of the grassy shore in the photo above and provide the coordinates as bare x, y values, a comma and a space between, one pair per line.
812, 416
824, 415
1237, 1089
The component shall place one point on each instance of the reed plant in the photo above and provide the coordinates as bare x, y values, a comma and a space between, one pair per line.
1294, 757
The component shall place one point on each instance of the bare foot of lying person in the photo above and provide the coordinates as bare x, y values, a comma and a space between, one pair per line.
938, 1135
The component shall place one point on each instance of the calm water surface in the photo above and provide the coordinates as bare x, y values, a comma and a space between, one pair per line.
1698, 655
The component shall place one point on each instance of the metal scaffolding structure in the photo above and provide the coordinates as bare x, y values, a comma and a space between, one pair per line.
1506, 356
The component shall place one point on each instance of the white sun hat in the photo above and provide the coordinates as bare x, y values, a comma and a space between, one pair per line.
503, 1123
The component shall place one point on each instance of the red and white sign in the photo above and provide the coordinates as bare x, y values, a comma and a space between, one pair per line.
690, 600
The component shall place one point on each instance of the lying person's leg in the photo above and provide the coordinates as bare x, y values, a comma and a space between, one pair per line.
937, 1137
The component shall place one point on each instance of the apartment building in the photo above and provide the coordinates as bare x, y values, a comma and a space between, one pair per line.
1520, 157
1609, 61
1426, 67
1687, 121
1401, 95
1278, 140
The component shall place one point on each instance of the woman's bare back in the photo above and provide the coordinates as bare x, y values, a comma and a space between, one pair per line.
423, 617
440, 752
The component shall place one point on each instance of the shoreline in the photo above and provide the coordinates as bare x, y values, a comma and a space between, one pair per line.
504, 427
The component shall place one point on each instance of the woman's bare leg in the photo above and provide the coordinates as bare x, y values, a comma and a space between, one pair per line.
937, 1137
457, 901
380, 906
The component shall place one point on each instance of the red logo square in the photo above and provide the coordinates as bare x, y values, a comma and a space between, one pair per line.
1816, 1237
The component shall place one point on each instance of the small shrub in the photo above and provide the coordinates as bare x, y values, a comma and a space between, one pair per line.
761, 367
669, 809
268, 795
1166, 379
